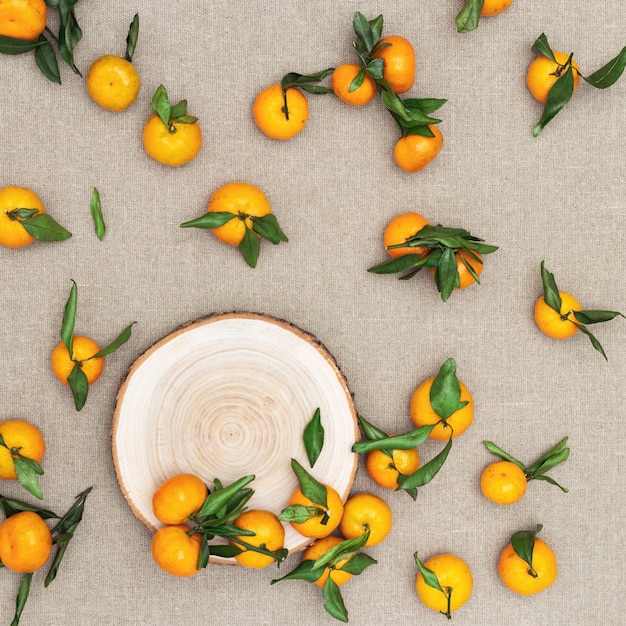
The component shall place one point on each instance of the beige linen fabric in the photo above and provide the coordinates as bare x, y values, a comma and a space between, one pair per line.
559, 197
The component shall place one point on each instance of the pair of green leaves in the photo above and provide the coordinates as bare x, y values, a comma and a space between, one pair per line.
412, 115
169, 114
537, 471
562, 90
442, 245
27, 470
215, 518
431, 579
68, 36
312, 489
310, 571
552, 298
77, 379
62, 534
265, 226
39, 225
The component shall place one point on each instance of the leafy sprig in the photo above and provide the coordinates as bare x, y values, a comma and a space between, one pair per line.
356, 562
39, 225
441, 246
563, 88
537, 471
552, 298
265, 226
27, 470
168, 114
431, 579
77, 379
62, 533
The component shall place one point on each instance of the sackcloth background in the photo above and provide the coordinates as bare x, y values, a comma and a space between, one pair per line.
559, 197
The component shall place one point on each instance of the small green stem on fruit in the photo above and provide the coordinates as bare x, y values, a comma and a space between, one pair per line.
448, 594
532, 572
325, 518
171, 128
285, 108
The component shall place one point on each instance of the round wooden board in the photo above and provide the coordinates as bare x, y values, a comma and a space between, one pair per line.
227, 396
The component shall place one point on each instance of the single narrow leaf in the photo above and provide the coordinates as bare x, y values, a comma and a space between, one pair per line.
468, 17
267, 226
334, 602
523, 543
250, 247
596, 317
131, 39
43, 228
357, 564
314, 437
13, 46
96, 214
79, 385
119, 341
558, 96
594, 341
446, 274
406, 441
178, 110
494, 449
10, 507
22, 597
551, 481
369, 430
398, 264
304, 571
160, 105
69, 319
445, 392
299, 513
427, 472
551, 293
541, 46
346, 549
210, 220
28, 472
46, 60
310, 487
357, 81
430, 578
608, 74
226, 551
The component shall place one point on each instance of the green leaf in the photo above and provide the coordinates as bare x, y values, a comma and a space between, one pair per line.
425, 105
594, 341
595, 317
46, 60
178, 110
64, 531
494, 449
79, 385
399, 264
43, 228
69, 319
343, 550
427, 472
430, 578
523, 543
250, 247
445, 392
96, 213
376, 69
357, 81
267, 226
13, 46
304, 571
366, 36
608, 74
226, 551
119, 341
69, 33
11, 507
311, 488
558, 96
551, 481
22, 597
299, 513
369, 430
334, 602
446, 274
541, 46
357, 564
555, 452
210, 220
161, 105
406, 441
314, 437
318, 89
185, 119
28, 472
131, 39
551, 293
220, 498
468, 17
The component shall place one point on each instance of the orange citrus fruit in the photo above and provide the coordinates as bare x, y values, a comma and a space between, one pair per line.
269, 534
543, 73
22, 19
557, 325
342, 77
399, 57
363, 512
503, 482
269, 113
317, 550
422, 412
176, 551
454, 577
12, 232
401, 228
413, 153
25, 542
240, 199
113, 82
82, 349
331, 514
178, 498
493, 7
518, 577
23, 437
384, 470
174, 145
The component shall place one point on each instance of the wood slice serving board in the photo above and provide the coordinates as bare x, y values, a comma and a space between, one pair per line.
227, 396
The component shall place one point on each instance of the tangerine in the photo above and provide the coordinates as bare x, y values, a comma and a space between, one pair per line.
544, 72
12, 232
399, 57
401, 228
173, 145
493, 7
413, 153
342, 78
176, 550
113, 82
269, 533
25, 542
178, 498
384, 470
557, 325
83, 349
363, 512
25, 438
22, 19
319, 549
455, 578
522, 579
503, 482
280, 115
327, 519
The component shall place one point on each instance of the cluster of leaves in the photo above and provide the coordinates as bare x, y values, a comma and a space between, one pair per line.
356, 562
62, 534
442, 244
169, 114
68, 36
215, 519
77, 379
266, 227
27, 470
39, 225
445, 399
552, 298
562, 90
537, 471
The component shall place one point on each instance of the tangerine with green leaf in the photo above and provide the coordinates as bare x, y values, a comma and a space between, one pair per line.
280, 114
398, 55
84, 350
269, 534
21, 438
385, 470
353, 85
178, 498
176, 550
318, 549
413, 152
366, 512
399, 230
